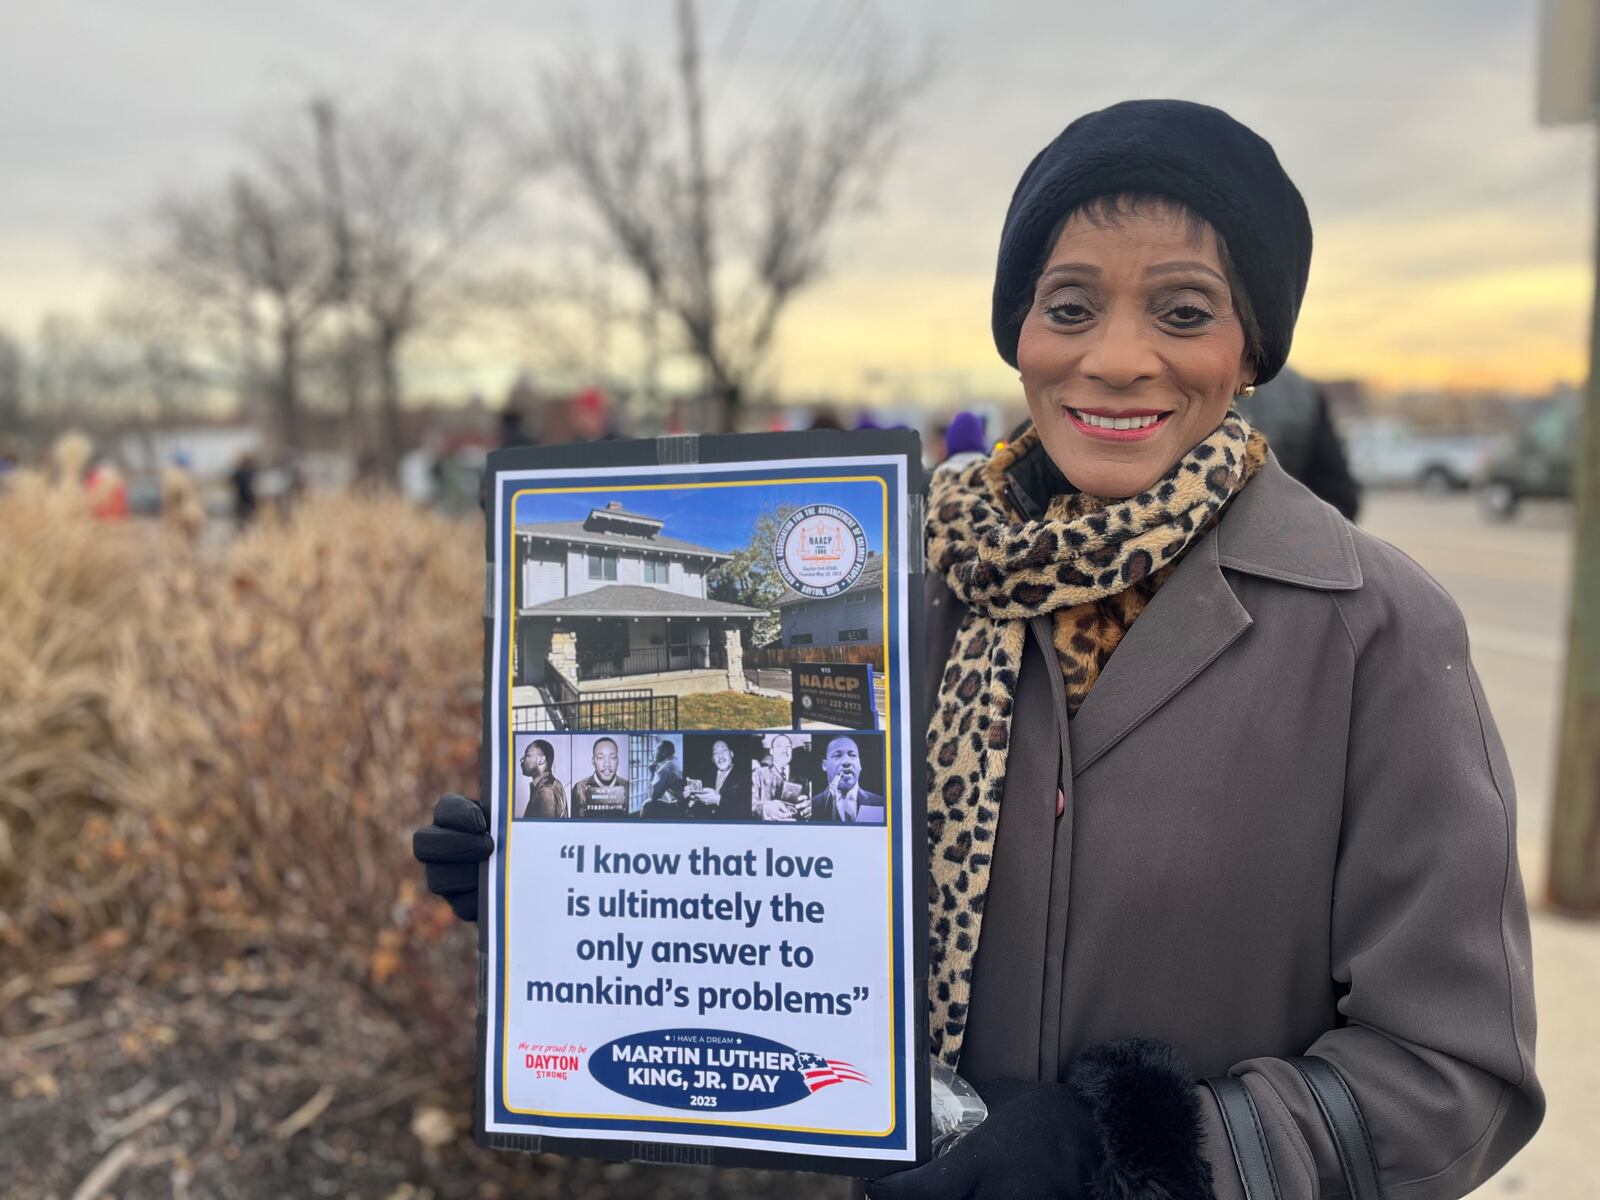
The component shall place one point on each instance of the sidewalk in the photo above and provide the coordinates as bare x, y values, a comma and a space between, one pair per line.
1563, 1160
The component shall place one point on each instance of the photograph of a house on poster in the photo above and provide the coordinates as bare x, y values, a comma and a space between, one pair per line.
631, 601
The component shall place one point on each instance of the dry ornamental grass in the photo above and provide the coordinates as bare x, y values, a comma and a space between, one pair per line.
68, 597
223, 976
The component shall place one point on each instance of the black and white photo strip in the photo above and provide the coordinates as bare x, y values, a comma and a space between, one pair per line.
780, 777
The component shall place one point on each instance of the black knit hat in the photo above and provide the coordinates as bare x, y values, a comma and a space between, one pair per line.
1187, 152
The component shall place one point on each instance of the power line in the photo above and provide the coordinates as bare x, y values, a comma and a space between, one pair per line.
787, 69
733, 37
843, 36
732, 42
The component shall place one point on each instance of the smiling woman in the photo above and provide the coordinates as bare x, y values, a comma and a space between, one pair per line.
1225, 898
1134, 346
1224, 881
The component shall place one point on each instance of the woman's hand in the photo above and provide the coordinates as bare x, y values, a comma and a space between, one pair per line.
1039, 1141
451, 849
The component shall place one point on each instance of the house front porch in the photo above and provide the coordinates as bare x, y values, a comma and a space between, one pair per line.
669, 655
673, 683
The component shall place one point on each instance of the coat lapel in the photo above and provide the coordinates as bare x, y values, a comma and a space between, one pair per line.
1275, 529
1192, 619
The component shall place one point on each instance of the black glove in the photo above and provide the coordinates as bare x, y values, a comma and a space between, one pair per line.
451, 849
1039, 1141
1125, 1126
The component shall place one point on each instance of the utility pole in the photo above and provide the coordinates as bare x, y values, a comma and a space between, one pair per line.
1575, 827
325, 120
704, 280
1570, 93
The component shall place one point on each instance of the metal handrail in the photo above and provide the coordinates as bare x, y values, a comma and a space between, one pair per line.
637, 709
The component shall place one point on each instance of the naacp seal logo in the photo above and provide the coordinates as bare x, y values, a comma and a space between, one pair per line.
820, 550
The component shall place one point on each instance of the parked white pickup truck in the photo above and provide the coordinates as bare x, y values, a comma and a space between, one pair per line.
1388, 452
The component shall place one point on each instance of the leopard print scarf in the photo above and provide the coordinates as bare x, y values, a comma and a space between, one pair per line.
1092, 564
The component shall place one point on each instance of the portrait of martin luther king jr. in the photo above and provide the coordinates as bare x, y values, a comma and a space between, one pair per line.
603, 793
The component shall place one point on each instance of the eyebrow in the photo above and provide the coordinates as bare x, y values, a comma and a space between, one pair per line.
1166, 268
1069, 268
1173, 268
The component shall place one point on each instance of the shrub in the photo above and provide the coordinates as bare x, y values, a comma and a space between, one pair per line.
293, 710
220, 749
69, 594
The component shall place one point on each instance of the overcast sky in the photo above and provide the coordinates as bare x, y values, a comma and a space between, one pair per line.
1452, 233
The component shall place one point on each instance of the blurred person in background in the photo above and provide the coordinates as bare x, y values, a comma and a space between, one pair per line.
10, 460
107, 491
512, 432
292, 488
182, 508
1292, 413
421, 470
1236, 847
243, 480
965, 435
590, 418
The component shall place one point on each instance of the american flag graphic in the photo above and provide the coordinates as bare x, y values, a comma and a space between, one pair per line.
820, 1072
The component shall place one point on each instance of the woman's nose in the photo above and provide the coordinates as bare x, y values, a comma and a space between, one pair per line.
1119, 356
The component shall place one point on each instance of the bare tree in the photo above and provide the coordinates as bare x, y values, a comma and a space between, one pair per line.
254, 257
11, 372
412, 185
154, 364
342, 236
69, 380
720, 248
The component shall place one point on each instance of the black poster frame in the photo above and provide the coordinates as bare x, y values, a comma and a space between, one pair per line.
712, 449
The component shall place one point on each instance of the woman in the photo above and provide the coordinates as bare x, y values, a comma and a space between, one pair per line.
1213, 786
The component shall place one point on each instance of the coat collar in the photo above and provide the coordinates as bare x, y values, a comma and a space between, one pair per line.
1277, 529
1274, 529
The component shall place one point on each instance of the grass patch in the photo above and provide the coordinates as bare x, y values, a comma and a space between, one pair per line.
732, 710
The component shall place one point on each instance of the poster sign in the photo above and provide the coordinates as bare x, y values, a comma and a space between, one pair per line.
704, 923
834, 693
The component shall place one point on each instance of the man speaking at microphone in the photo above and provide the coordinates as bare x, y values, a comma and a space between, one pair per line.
845, 799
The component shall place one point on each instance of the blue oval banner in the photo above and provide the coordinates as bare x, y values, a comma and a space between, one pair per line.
714, 1069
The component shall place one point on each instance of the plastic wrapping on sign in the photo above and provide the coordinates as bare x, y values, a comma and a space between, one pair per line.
956, 1108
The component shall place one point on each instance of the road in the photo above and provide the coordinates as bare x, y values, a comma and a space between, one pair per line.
1511, 582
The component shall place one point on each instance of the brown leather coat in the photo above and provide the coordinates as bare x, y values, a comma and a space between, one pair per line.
1289, 829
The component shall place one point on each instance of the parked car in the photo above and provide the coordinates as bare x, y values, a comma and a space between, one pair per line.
1539, 460
1388, 452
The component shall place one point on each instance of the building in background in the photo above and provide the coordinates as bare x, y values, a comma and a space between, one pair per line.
853, 617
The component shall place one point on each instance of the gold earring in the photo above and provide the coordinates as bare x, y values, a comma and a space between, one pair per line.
1247, 391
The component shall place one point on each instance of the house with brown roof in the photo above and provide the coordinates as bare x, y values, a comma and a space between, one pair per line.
615, 598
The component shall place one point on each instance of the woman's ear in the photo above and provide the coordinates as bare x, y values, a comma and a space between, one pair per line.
1247, 373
